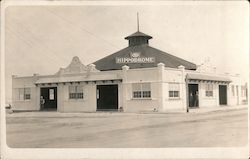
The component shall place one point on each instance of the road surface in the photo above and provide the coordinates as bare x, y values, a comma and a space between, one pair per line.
224, 128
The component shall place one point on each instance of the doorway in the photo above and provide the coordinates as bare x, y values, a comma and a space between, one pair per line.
223, 94
107, 97
48, 98
193, 94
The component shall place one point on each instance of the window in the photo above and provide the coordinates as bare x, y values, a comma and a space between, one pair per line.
24, 94
209, 90
174, 90
141, 90
232, 89
75, 92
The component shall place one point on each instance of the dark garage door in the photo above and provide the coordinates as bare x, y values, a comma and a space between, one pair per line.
107, 97
223, 94
49, 94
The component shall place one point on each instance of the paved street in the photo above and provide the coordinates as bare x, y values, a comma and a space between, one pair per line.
127, 130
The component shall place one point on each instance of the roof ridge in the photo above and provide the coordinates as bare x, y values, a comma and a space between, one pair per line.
111, 54
163, 52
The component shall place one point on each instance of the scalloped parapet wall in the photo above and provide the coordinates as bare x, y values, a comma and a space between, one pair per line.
77, 67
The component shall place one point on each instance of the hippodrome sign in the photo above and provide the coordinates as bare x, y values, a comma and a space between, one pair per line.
135, 58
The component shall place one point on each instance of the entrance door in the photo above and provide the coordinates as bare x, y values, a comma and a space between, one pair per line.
223, 94
49, 95
107, 97
193, 95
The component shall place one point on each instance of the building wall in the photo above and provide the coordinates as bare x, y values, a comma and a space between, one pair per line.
213, 101
125, 99
176, 76
24, 82
131, 104
89, 101
87, 104
173, 103
205, 101
137, 105
159, 78
236, 98
142, 75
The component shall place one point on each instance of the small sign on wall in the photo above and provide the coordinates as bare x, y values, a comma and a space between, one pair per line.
51, 94
97, 94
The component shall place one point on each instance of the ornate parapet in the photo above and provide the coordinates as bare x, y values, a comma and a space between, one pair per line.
77, 67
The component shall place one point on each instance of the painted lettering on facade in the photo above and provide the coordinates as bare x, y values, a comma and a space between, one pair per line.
135, 58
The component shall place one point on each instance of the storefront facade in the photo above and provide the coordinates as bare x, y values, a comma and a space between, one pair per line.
135, 79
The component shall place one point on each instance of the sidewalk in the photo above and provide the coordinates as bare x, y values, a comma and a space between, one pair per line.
220, 108
54, 114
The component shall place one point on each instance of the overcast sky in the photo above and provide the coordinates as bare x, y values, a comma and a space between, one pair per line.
41, 39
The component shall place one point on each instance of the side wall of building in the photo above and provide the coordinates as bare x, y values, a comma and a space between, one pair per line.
159, 78
18, 101
89, 101
234, 95
177, 77
209, 101
139, 76
87, 104
237, 95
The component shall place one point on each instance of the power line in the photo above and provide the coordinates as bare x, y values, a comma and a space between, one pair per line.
83, 29
32, 45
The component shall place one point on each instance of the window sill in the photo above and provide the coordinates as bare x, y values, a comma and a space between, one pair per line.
28, 100
141, 98
174, 98
208, 97
76, 100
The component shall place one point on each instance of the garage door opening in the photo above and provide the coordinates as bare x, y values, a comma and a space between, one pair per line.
223, 94
193, 95
107, 97
48, 99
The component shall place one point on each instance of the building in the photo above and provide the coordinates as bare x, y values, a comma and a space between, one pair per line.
134, 79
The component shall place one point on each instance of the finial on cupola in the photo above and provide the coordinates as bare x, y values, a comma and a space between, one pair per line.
138, 24
138, 38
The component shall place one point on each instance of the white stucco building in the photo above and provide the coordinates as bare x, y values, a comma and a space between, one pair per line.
136, 78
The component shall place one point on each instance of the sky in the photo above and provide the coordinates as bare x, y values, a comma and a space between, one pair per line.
41, 39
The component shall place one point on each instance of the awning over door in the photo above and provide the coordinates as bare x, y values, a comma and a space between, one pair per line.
204, 77
65, 79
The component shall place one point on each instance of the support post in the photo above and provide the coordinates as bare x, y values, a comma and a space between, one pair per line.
161, 67
124, 87
184, 89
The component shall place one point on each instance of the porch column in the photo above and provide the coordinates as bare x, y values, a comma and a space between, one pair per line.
37, 96
161, 67
60, 97
124, 86
183, 88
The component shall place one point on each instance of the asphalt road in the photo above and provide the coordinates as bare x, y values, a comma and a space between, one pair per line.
122, 130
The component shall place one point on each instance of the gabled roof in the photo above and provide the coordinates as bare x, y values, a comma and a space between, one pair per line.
109, 62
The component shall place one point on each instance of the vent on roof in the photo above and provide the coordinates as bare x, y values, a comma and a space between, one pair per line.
138, 38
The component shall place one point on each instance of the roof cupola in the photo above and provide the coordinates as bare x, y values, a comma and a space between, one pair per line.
138, 38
